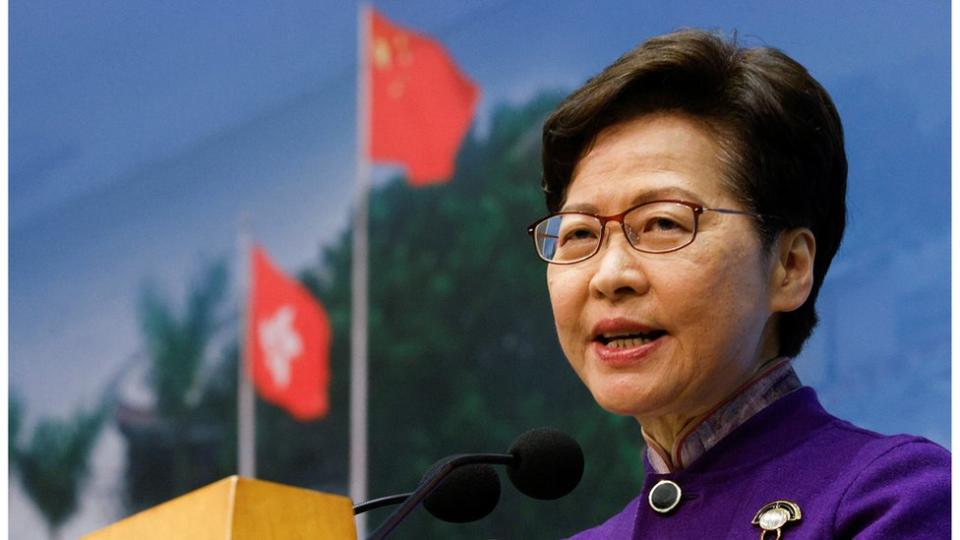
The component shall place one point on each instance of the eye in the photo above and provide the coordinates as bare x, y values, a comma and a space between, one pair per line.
579, 234
578, 229
661, 224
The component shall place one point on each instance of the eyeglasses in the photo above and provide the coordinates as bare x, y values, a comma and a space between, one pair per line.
651, 227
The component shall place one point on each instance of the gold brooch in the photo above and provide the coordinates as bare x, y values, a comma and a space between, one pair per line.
775, 515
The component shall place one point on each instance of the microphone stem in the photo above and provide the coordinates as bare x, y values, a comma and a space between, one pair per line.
382, 501
428, 486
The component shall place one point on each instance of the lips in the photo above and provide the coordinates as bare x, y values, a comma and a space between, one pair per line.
620, 342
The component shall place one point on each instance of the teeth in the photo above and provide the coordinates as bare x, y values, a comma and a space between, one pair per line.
626, 343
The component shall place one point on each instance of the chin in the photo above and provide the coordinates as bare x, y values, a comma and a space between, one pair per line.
621, 401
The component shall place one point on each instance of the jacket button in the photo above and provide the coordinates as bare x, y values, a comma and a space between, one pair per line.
664, 496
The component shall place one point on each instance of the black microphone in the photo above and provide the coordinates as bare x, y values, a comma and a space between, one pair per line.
467, 494
543, 463
548, 463
443, 468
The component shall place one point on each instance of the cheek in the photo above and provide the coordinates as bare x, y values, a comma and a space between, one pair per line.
713, 290
567, 297
722, 299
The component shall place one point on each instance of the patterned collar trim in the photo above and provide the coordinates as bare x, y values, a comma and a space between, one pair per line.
775, 381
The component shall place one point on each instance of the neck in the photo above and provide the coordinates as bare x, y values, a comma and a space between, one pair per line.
663, 432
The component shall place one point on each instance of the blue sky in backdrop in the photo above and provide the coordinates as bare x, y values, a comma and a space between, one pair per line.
141, 133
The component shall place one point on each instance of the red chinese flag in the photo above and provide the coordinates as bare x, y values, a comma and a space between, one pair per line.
421, 104
288, 342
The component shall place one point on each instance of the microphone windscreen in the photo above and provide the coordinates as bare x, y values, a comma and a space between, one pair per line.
549, 463
468, 493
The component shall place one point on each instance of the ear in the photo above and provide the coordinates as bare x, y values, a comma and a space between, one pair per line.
791, 275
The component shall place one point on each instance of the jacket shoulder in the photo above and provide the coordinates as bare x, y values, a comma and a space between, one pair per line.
901, 490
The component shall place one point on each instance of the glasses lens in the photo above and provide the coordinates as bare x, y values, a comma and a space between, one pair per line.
661, 226
566, 238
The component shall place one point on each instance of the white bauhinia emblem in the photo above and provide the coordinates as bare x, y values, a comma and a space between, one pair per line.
281, 344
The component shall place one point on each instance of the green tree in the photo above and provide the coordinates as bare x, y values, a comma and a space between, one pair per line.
14, 424
175, 448
55, 463
177, 346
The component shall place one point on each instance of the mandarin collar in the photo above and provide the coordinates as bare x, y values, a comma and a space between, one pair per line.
773, 382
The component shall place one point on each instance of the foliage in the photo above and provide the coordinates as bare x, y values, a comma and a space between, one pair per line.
54, 464
176, 347
176, 447
14, 424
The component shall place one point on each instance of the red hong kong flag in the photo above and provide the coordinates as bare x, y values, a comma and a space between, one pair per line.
421, 104
288, 342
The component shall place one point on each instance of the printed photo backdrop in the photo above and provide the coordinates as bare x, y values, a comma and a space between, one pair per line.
144, 137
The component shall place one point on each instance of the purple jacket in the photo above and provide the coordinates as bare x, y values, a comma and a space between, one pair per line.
847, 481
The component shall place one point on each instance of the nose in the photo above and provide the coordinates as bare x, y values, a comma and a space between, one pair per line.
619, 270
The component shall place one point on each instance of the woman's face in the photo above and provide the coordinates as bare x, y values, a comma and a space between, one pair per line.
702, 311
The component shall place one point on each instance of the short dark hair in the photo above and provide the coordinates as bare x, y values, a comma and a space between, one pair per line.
780, 137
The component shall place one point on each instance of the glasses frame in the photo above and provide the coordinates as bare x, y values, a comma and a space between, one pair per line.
698, 210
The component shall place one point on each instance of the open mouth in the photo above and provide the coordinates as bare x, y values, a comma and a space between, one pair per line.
625, 340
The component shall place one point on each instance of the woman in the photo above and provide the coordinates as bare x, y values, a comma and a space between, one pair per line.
697, 196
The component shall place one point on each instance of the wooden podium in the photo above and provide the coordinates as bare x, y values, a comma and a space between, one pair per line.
237, 508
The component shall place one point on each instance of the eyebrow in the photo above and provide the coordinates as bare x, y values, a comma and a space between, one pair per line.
645, 196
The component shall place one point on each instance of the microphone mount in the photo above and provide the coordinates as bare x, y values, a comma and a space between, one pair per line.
428, 486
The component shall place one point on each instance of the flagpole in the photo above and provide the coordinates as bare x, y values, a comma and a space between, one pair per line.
246, 402
359, 279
